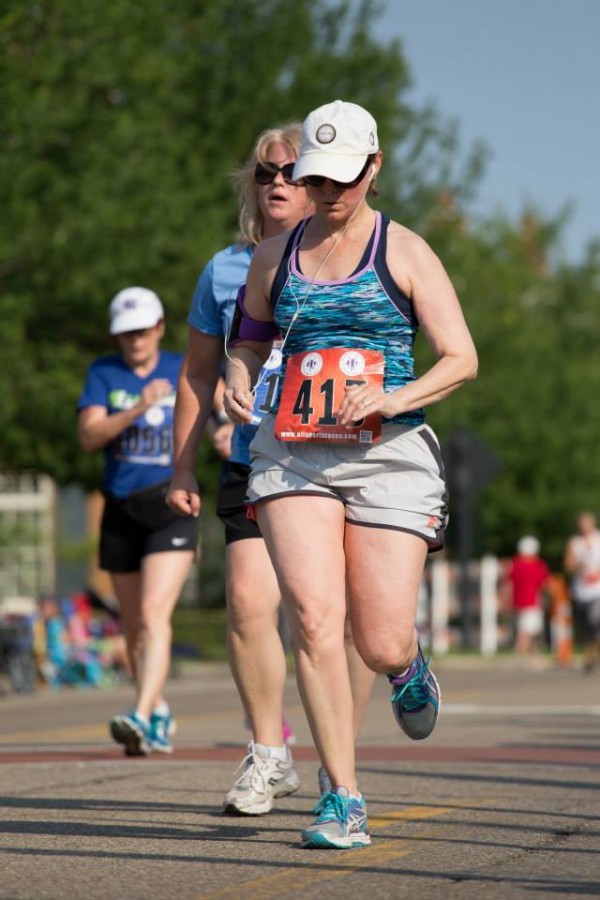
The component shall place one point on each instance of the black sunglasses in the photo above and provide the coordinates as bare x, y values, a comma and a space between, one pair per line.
267, 173
319, 180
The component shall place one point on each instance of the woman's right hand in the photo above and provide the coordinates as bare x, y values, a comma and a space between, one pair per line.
238, 403
184, 495
155, 391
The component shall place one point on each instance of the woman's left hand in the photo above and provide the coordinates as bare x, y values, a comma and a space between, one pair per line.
361, 400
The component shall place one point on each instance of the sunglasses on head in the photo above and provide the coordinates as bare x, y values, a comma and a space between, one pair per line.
266, 173
319, 180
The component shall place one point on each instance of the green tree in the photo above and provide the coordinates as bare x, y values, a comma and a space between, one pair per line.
536, 328
121, 124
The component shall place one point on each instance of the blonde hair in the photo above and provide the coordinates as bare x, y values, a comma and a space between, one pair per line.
251, 220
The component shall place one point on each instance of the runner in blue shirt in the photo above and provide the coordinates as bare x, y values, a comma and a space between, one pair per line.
126, 410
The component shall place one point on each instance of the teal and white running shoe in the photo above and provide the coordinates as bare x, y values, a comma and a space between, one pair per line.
341, 822
133, 731
416, 699
162, 727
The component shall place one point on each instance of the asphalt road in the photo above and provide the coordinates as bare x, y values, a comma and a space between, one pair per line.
501, 802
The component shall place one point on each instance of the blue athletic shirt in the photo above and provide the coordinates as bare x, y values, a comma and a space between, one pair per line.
211, 312
142, 455
366, 310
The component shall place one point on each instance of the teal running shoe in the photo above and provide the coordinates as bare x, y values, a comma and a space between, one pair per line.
133, 732
416, 699
341, 822
162, 727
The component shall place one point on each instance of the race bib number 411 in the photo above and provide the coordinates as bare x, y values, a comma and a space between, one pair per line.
313, 389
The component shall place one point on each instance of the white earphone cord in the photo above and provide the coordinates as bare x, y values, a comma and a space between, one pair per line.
301, 304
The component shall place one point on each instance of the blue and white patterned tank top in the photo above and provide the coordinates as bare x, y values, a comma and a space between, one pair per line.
366, 310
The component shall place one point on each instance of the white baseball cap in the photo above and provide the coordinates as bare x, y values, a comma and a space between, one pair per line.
336, 140
528, 545
134, 308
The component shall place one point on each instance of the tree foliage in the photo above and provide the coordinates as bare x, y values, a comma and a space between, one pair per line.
121, 125
536, 327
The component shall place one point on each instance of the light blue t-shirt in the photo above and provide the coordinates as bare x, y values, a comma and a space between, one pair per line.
211, 312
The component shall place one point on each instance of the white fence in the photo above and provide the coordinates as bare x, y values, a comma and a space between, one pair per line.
441, 608
27, 535
28, 567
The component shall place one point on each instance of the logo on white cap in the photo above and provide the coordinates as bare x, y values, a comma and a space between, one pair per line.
326, 134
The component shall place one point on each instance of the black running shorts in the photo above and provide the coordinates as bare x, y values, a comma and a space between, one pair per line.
140, 524
231, 501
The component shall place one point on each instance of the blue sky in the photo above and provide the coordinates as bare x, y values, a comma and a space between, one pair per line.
524, 76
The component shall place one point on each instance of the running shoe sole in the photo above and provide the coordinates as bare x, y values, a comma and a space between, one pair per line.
321, 842
156, 747
130, 736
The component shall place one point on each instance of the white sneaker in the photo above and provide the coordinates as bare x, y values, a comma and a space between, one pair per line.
261, 781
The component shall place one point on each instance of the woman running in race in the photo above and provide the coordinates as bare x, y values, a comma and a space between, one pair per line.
347, 480
126, 410
270, 203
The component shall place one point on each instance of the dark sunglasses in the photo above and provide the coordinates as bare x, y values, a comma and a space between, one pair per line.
267, 173
319, 180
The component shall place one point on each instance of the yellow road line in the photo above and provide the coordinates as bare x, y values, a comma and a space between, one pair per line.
97, 730
51, 735
340, 863
407, 815
309, 877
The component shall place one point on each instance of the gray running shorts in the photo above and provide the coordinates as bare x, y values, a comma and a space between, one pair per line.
398, 483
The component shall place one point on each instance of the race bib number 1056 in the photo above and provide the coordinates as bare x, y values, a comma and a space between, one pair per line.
313, 389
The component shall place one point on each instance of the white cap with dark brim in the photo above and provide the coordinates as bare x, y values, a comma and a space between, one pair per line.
336, 140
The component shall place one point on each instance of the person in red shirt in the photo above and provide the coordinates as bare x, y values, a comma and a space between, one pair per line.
527, 574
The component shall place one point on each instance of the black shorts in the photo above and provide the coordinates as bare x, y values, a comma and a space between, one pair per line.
588, 619
135, 526
231, 501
